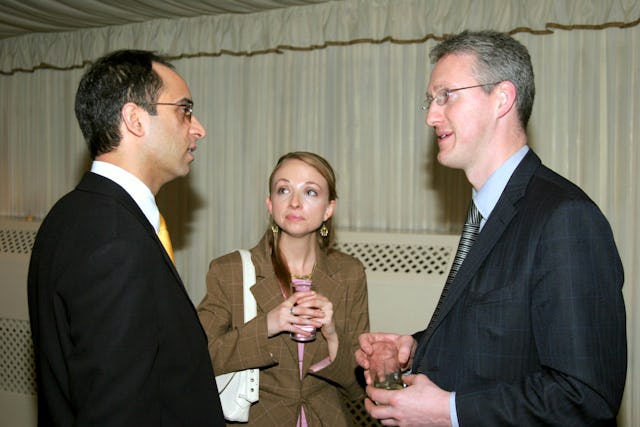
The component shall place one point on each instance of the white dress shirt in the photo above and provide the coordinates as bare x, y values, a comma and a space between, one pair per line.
140, 193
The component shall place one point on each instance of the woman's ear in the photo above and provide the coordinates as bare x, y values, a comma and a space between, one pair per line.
269, 205
328, 213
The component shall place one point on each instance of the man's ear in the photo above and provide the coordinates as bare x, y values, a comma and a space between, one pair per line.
132, 117
506, 97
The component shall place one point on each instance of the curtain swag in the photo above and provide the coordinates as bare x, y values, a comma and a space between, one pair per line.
311, 27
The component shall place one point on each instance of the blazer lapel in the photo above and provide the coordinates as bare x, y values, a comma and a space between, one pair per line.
268, 295
323, 280
266, 290
501, 216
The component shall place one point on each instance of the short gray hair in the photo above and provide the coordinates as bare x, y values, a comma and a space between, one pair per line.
499, 57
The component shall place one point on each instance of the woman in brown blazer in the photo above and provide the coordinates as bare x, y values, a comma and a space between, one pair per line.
302, 383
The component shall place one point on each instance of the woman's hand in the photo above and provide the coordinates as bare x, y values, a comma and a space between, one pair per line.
319, 308
283, 317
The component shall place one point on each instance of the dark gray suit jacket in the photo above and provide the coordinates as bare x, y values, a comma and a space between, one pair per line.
533, 329
117, 340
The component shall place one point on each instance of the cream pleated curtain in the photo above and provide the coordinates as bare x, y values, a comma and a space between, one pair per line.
344, 79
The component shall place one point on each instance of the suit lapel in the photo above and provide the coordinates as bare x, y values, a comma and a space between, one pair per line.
95, 183
500, 217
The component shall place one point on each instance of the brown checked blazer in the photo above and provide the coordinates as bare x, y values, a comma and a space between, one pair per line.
236, 346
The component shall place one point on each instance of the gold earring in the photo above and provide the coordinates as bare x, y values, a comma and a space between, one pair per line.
324, 231
275, 228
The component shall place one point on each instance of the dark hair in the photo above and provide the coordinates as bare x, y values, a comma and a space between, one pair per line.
499, 57
112, 81
324, 168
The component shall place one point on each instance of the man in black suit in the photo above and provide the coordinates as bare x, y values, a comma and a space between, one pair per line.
116, 338
532, 328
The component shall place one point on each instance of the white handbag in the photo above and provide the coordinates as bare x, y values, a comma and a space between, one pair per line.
238, 390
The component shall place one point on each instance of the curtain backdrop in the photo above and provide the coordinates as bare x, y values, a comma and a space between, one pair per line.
351, 93
304, 27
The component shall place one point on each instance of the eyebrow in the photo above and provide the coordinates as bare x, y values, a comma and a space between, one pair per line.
185, 100
437, 88
288, 182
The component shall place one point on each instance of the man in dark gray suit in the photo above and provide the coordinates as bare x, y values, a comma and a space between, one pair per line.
117, 340
531, 330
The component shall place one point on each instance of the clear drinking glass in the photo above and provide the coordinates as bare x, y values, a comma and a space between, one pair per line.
384, 367
300, 285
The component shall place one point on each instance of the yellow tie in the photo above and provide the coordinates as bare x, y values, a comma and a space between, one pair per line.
163, 234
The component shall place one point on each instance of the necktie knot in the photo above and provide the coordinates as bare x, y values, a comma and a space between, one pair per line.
473, 215
165, 239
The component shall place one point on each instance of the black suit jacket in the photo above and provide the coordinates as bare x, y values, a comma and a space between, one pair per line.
533, 329
116, 338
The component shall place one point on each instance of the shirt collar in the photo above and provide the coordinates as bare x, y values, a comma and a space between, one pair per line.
140, 193
487, 197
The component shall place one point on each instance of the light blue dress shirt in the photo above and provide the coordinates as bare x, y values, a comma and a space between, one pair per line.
487, 197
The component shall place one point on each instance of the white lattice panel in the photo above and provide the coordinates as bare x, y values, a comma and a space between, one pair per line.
405, 275
16, 240
400, 253
18, 401
17, 368
13, 241
400, 258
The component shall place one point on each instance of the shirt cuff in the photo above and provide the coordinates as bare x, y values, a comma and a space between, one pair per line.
320, 365
452, 410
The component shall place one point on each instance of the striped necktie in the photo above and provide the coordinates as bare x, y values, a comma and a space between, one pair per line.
163, 234
468, 237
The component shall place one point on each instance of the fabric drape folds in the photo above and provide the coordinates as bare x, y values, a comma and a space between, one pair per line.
311, 26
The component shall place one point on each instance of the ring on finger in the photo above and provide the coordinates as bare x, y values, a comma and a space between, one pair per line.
291, 311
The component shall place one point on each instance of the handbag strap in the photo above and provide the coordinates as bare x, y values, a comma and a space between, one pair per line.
248, 280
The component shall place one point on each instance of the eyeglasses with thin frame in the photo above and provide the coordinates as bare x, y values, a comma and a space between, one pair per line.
186, 107
442, 96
